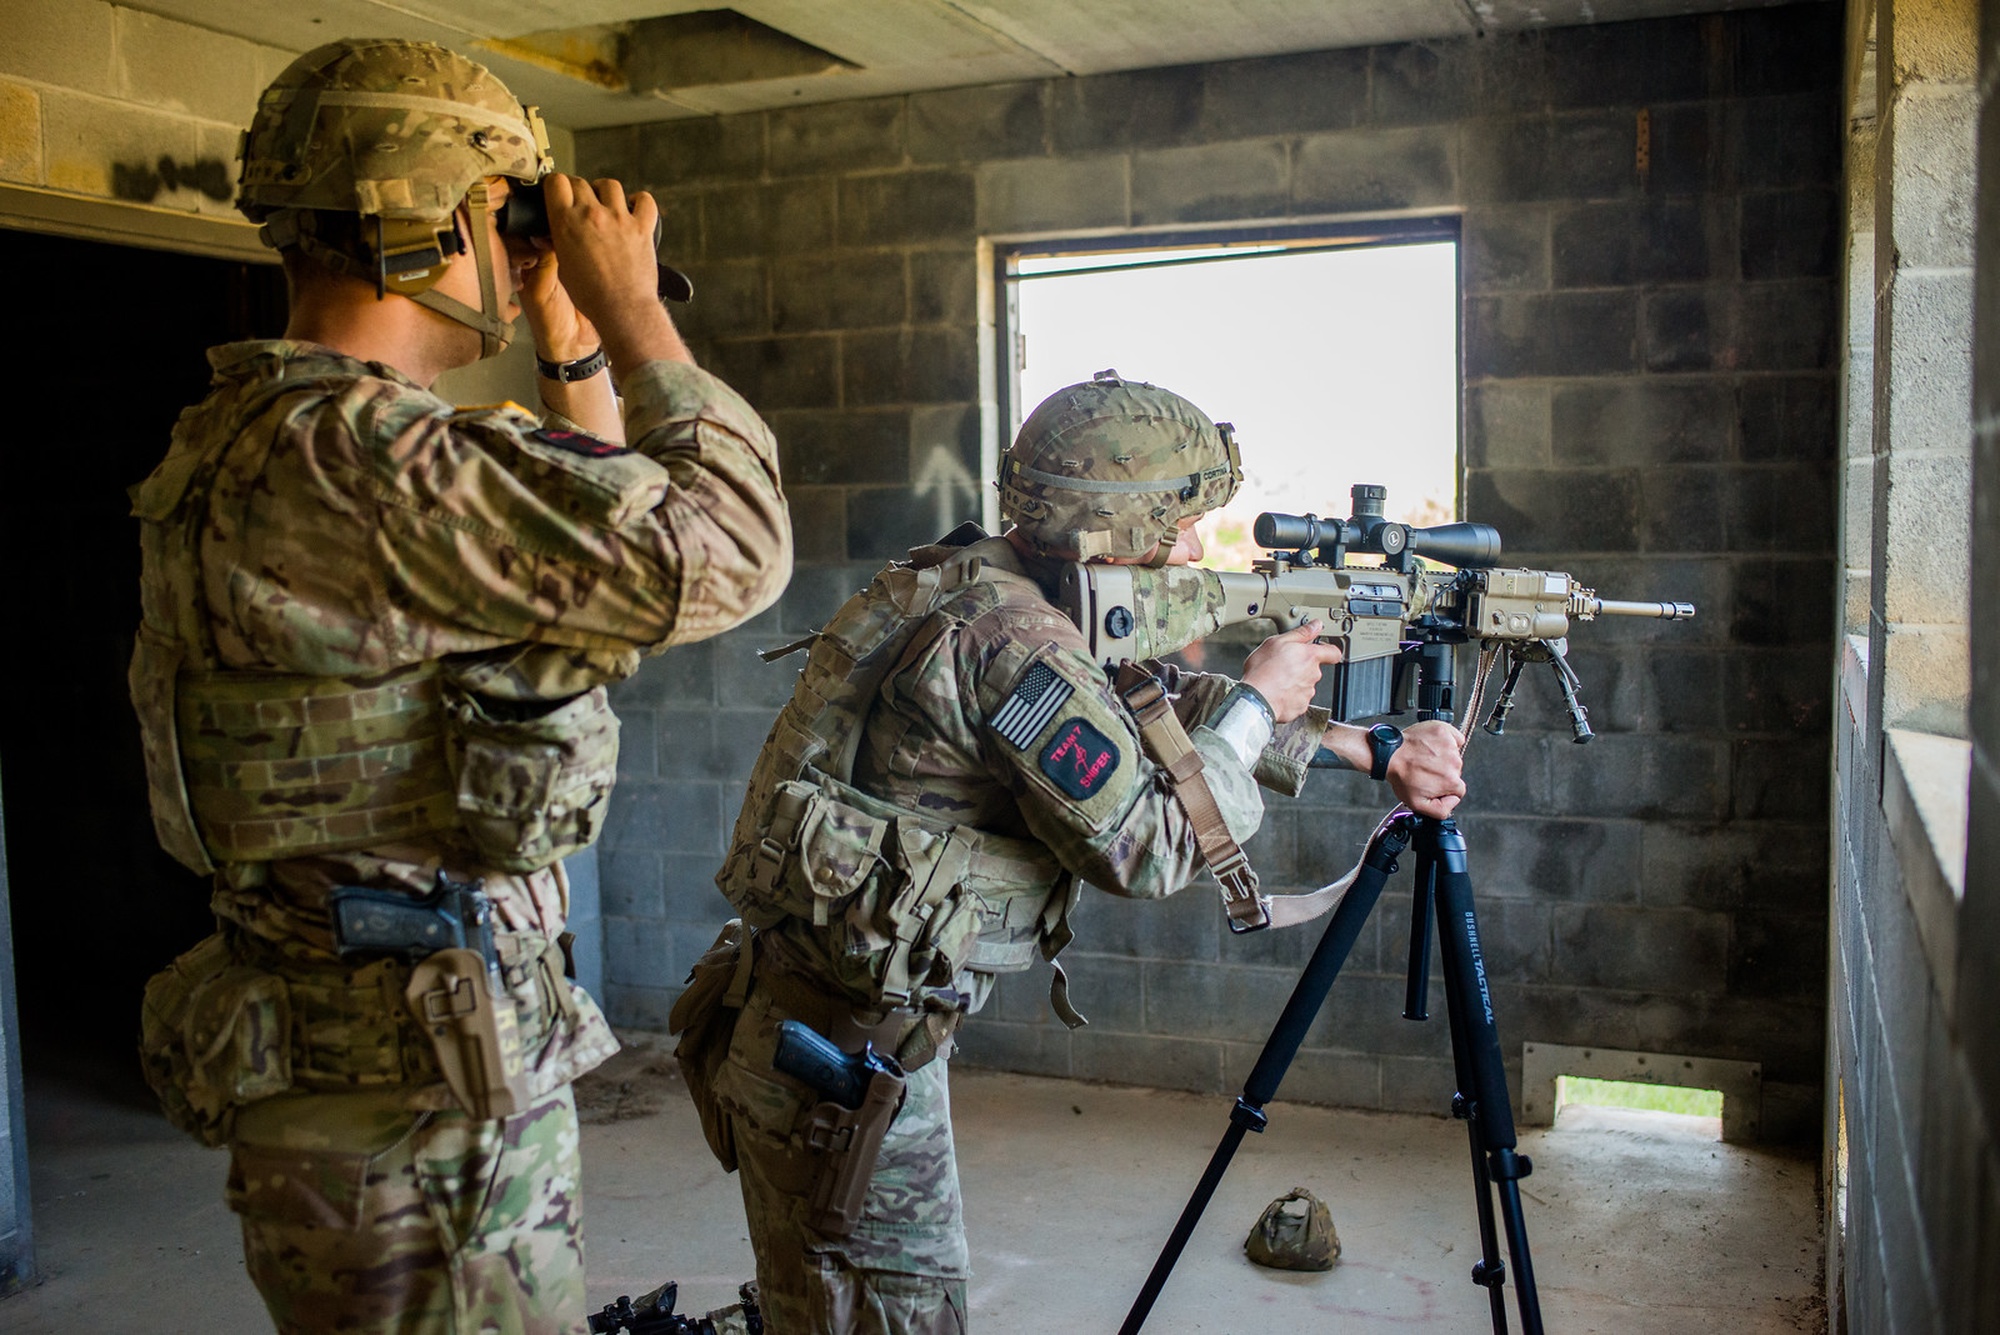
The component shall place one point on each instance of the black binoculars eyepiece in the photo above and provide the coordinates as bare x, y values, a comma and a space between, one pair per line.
526, 214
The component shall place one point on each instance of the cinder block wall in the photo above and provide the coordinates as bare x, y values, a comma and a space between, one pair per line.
1650, 217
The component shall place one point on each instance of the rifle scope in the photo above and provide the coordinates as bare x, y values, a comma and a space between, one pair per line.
1466, 546
526, 214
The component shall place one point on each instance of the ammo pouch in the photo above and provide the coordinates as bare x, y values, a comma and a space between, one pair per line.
846, 1142
214, 1035
704, 1015
532, 787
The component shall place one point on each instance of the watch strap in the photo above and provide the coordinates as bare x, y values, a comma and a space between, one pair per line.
565, 373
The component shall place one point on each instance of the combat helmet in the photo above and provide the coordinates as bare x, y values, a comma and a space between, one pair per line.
360, 153
1108, 468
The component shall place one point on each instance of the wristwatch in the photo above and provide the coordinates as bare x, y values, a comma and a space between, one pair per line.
1383, 739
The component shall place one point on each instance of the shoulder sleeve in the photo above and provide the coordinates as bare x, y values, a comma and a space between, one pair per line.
1070, 752
497, 523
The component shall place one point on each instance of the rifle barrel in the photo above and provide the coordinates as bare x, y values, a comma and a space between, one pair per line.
1607, 607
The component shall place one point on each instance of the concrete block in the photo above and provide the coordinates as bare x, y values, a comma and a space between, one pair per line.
1112, 993
1778, 955
1682, 952
1327, 1079
751, 221
1782, 601
1683, 508
1282, 95
1758, 327
1538, 511
1509, 425
852, 447
944, 438
748, 682
1573, 155
1926, 171
778, 373
686, 744
1140, 109
1783, 691
902, 207
739, 736
1511, 72
1625, 243
614, 151
178, 67
1017, 198
1789, 50
835, 136
819, 524
1514, 779
846, 291
20, 134
683, 675
1506, 249
1782, 780
1183, 927
883, 523
1643, 421
688, 889
1156, 1062
1418, 1085
644, 1009
1030, 1049
1783, 509
661, 817
1686, 140
944, 286
1924, 506
638, 743
1773, 866
700, 149
734, 299
1771, 142
979, 124
1370, 170
1212, 1001
1553, 859
1787, 417
1552, 334
1926, 328
1925, 674
114, 150
1789, 234
909, 366
816, 592
1415, 83
68, 43
1631, 64
637, 953
1210, 182
1645, 777
630, 883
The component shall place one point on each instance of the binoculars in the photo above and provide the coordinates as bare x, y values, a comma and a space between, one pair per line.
526, 214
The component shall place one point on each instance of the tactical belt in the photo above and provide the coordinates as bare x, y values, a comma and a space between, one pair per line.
925, 1034
1169, 747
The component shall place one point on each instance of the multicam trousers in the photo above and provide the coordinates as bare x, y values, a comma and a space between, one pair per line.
363, 1218
903, 1269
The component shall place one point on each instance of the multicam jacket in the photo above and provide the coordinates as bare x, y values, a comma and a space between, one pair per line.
322, 517
996, 719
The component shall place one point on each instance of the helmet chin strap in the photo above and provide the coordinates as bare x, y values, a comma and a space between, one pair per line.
494, 332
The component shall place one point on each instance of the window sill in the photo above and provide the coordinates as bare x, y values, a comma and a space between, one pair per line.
1925, 785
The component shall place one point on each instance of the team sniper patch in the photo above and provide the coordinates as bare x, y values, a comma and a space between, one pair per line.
576, 442
1079, 758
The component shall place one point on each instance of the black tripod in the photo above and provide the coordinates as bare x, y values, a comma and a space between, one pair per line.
1443, 886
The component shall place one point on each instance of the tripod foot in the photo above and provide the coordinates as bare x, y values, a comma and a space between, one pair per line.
1490, 1274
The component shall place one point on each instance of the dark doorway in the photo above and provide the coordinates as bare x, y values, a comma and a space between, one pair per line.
106, 344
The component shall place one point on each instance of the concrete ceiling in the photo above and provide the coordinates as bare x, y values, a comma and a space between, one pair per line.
590, 63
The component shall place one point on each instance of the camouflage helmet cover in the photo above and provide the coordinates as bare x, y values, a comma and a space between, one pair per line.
1111, 466
383, 128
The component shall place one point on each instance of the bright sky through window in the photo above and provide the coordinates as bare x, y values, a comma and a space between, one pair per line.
1336, 366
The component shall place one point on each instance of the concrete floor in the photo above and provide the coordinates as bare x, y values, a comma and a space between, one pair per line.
1637, 1223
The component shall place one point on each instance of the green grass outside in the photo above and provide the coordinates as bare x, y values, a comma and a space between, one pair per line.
1628, 1094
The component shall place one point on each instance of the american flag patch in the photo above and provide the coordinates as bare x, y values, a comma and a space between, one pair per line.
1021, 718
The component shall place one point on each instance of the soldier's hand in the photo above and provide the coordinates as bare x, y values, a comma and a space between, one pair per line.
1427, 771
604, 243
1285, 669
562, 334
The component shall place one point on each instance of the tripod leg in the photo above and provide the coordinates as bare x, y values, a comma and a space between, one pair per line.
1279, 1049
1482, 1077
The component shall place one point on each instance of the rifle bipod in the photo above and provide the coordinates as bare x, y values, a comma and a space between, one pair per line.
1443, 887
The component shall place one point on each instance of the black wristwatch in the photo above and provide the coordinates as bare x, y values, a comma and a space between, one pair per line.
1383, 739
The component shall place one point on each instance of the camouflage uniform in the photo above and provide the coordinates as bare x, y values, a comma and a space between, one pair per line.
323, 519
1067, 780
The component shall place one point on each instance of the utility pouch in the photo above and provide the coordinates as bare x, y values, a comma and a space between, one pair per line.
846, 1143
532, 789
473, 1028
704, 1015
214, 1035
